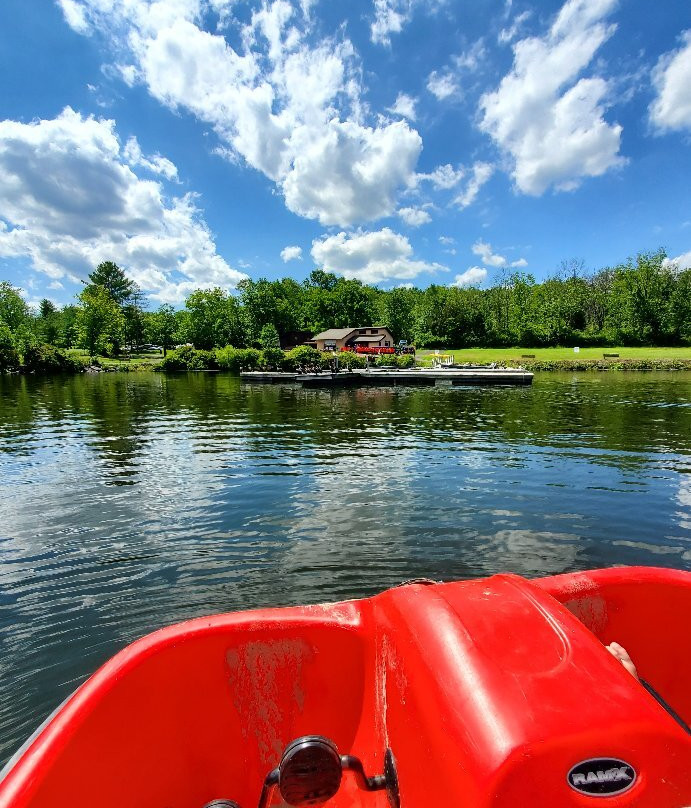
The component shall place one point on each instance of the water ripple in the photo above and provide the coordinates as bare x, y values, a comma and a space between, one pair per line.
131, 502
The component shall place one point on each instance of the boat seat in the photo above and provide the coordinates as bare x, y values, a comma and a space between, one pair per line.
504, 691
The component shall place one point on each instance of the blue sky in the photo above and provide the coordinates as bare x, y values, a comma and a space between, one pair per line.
197, 142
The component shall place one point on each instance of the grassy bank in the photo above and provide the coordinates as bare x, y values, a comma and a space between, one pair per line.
130, 362
536, 359
678, 358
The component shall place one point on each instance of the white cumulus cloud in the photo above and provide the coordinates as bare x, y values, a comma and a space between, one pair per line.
509, 34
471, 59
489, 258
442, 85
471, 277
480, 173
389, 18
443, 177
69, 200
671, 108
372, 257
682, 261
470, 178
347, 173
74, 15
547, 119
284, 104
404, 106
291, 254
414, 217
156, 163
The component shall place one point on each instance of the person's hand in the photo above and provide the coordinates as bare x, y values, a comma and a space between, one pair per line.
620, 653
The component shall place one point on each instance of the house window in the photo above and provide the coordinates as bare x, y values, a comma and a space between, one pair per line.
374, 330
386, 344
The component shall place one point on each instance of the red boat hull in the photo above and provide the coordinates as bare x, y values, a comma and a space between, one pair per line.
489, 693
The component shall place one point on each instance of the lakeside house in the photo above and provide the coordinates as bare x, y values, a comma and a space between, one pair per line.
335, 339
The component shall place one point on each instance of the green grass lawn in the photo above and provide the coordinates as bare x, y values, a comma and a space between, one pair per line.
129, 359
483, 355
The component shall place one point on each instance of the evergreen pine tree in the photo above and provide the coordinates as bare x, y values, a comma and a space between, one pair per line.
109, 275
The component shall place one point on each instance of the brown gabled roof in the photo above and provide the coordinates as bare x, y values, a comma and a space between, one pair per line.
342, 333
334, 333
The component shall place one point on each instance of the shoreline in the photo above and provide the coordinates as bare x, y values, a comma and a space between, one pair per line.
581, 365
533, 366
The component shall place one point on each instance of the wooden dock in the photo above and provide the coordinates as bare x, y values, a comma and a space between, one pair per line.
383, 377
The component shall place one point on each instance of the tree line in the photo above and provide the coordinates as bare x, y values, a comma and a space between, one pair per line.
644, 301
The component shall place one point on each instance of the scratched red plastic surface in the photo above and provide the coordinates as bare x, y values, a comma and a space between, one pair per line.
488, 692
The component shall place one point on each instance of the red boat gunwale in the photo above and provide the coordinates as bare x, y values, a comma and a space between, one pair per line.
488, 692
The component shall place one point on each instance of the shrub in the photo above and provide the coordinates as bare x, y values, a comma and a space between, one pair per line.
601, 364
237, 359
272, 359
268, 337
305, 357
348, 360
188, 358
9, 356
592, 339
49, 359
425, 339
403, 361
227, 358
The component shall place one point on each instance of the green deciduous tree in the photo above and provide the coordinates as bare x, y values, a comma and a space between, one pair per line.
214, 319
161, 327
14, 311
396, 312
641, 309
275, 303
135, 325
9, 356
48, 324
646, 300
354, 303
334, 302
135, 317
100, 322
429, 326
680, 306
68, 327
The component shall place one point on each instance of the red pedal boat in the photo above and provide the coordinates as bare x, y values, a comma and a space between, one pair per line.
485, 693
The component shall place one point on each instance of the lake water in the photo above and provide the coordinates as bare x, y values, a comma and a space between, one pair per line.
131, 501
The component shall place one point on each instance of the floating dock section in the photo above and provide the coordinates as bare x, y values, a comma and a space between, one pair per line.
383, 377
